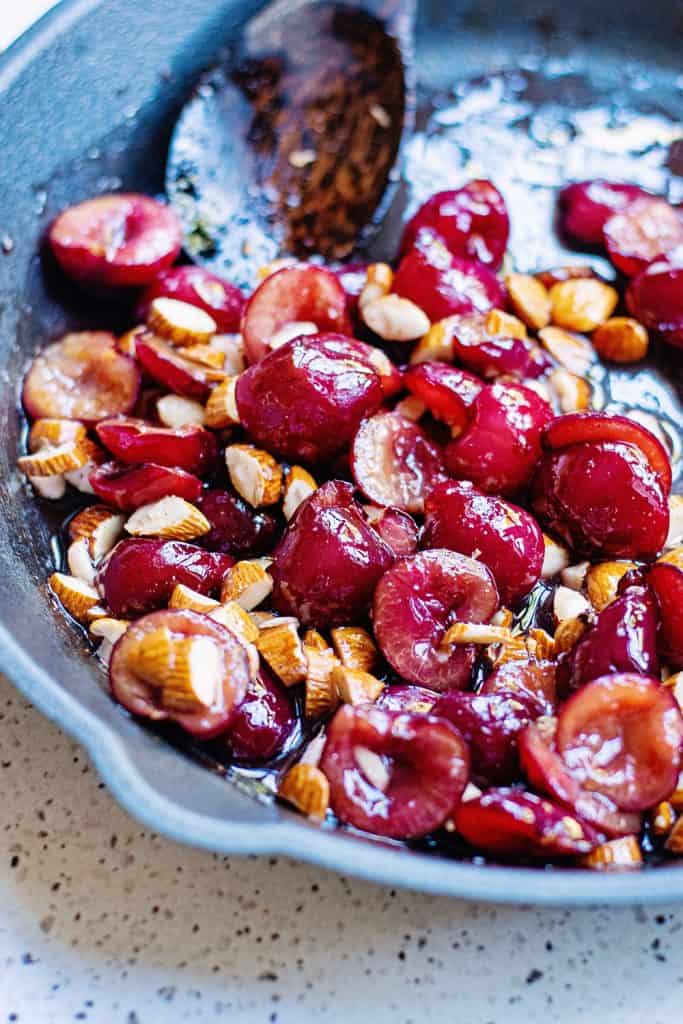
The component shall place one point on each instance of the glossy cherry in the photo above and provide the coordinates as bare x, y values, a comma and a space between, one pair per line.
586, 206
164, 364
190, 448
534, 682
624, 639
415, 603
236, 528
263, 723
447, 391
646, 229
443, 285
493, 355
666, 581
128, 487
655, 295
395, 527
404, 697
199, 287
423, 768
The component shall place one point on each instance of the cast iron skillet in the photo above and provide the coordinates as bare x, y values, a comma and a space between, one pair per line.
87, 101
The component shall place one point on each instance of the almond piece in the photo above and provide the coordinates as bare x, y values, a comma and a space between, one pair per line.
152, 657
582, 304
97, 612
186, 597
394, 318
179, 322
662, 818
204, 355
379, 279
237, 621
232, 347
503, 617
621, 339
289, 331
321, 692
540, 645
248, 584
194, 678
437, 344
100, 526
572, 351
254, 474
568, 633
475, 633
299, 485
574, 576
177, 411
529, 299
569, 604
354, 647
221, 407
306, 788
573, 393
617, 854
412, 408
52, 488
171, 517
673, 557
505, 325
127, 343
675, 535
108, 628
314, 751
555, 559
80, 478
373, 767
602, 582
51, 433
79, 561
355, 686
54, 461
514, 650
74, 594
280, 645
674, 843
315, 641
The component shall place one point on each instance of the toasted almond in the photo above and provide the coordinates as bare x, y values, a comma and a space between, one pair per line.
505, 325
292, 329
475, 633
306, 788
254, 474
186, 597
232, 347
54, 461
127, 343
237, 621
662, 818
572, 351
280, 645
354, 647
674, 556
80, 562
675, 535
74, 594
80, 478
194, 677
108, 628
171, 517
151, 658
355, 686
602, 582
574, 576
313, 752
621, 339
50, 487
568, 633
412, 408
616, 855
503, 617
573, 393
555, 558
315, 641
100, 526
248, 584
51, 433
178, 411
204, 355
513, 650
540, 645
373, 767
221, 407
299, 485
582, 304
529, 299
321, 692
437, 345
379, 279
265, 619
569, 604
676, 798
180, 323
394, 318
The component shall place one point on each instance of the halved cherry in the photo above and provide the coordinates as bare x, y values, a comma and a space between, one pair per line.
82, 377
586, 206
223, 301
190, 448
504, 537
489, 724
415, 603
305, 400
472, 221
236, 528
655, 295
403, 697
394, 463
447, 391
577, 427
492, 355
263, 723
144, 700
533, 681
164, 364
513, 823
293, 294
390, 376
444, 285
666, 581
329, 560
621, 735
115, 241
128, 487
624, 639
395, 527
140, 574
646, 229
391, 773
502, 443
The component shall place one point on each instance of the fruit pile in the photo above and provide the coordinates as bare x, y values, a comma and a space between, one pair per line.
354, 488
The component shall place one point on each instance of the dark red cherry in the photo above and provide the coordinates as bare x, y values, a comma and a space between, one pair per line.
655, 295
646, 229
415, 603
395, 527
502, 443
164, 364
403, 697
199, 287
128, 487
301, 293
621, 736
305, 400
666, 581
393, 773
190, 448
263, 722
443, 285
447, 391
512, 823
471, 221
236, 528
586, 206
533, 681
115, 241
394, 463
144, 700
352, 277
140, 574
491, 355
624, 639
503, 536
329, 560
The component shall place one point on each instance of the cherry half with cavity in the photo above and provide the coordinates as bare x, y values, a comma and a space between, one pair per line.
128, 487
447, 391
132, 441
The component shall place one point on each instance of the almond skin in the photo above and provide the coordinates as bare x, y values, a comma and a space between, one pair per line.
74, 594
172, 518
322, 696
582, 304
281, 647
529, 300
50, 433
355, 686
354, 647
299, 485
180, 323
254, 474
602, 582
49, 461
306, 788
221, 408
621, 340
505, 325
248, 584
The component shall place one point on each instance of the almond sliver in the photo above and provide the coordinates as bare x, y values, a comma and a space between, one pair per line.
180, 323
171, 517
53, 461
299, 485
221, 408
194, 678
248, 584
254, 474
50, 433
306, 788
186, 597
99, 526
74, 594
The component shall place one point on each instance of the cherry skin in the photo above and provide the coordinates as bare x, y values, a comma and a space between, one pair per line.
646, 229
586, 206
236, 528
133, 441
622, 640
395, 527
447, 391
534, 682
655, 295
444, 285
263, 723
223, 301
493, 355
666, 581
128, 487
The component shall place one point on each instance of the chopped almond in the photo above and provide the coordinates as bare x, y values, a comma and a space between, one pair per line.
204, 355
373, 767
475, 633
54, 461
74, 594
569, 604
555, 559
313, 753
51, 433
573, 393
171, 517
321, 692
180, 323
232, 347
540, 645
186, 597
503, 617
221, 408
98, 611
99, 526
355, 686
505, 325
529, 299
602, 582
437, 344
617, 854
621, 340
289, 331
354, 647
315, 641
254, 474
80, 562
662, 818
568, 633
194, 678
582, 304
178, 411
152, 657
110, 629
674, 843
299, 485
248, 584
80, 478
306, 788
237, 621
515, 649
412, 408
379, 279
574, 576
572, 351
127, 343
394, 318
280, 645
50, 487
